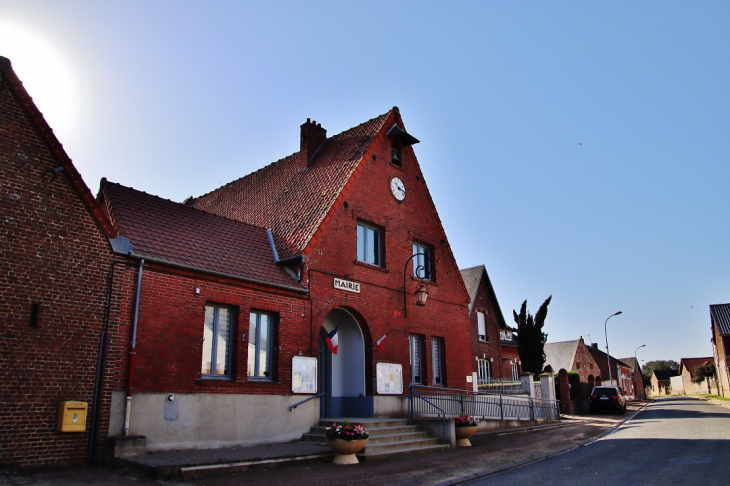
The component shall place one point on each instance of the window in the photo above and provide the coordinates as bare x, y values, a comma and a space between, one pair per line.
482, 325
422, 262
417, 371
217, 341
437, 355
483, 374
260, 345
505, 335
515, 372
368, 244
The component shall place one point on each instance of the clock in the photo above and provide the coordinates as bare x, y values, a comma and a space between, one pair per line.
398, 189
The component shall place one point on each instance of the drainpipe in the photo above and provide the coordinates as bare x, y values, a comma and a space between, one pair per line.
132, 352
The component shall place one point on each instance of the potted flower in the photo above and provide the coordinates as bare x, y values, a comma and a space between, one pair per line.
465, 427
345, 440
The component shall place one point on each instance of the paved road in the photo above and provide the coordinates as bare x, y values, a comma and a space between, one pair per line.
673, 441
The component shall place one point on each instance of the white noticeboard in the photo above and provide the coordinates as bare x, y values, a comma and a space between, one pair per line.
304, 374
390, 378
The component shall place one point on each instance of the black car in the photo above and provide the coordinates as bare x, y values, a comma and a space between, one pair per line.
609, 398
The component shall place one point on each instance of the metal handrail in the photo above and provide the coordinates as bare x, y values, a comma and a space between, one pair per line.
443, 413
292, 407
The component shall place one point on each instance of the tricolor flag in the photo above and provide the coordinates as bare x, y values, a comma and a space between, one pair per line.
379, 344
332, 339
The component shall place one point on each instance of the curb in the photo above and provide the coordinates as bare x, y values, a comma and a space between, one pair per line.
506, 467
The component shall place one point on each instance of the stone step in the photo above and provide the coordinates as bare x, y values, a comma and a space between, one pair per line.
373, 456
382, 436
368, 424
399, 445
188, 472
374, 431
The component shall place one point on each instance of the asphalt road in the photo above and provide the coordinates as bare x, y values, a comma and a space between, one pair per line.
673, 441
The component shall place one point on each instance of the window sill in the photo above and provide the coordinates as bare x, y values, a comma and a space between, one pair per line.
426, 281
371, 266
251, 379
483, 340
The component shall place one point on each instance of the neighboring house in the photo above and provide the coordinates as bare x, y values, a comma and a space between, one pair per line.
686, 367
55, 300
661, 381
510, 355
242, 287
492, 360
572, 356
637, 378
620, 371
720, 327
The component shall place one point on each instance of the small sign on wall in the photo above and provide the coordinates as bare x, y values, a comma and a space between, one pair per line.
347, 285
390, 378
304, 374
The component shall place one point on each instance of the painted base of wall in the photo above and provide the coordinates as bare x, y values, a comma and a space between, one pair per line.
208, 421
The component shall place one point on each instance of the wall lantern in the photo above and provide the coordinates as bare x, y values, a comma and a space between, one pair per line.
421, 290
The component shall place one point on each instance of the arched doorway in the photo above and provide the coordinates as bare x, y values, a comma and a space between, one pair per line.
342, 376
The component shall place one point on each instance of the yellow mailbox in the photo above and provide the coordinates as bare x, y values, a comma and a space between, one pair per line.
72, 417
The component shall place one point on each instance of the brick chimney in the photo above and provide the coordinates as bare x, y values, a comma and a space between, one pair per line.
313, 136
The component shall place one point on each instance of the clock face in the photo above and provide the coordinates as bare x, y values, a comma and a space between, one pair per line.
398, 188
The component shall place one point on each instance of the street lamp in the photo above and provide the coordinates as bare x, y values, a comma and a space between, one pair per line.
636, 363
421, 290
608, 355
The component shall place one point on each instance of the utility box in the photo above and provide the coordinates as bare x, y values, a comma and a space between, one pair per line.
72, 417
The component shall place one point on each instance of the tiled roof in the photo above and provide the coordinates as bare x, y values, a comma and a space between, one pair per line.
603, 355
560, 355
630, 362
472, 277
7, 74
290, 200
692, 363
176, 234
720, 315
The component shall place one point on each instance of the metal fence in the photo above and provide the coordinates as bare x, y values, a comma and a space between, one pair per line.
500, 387
448, 402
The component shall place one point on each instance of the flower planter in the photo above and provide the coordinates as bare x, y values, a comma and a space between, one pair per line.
345, 450
463, 434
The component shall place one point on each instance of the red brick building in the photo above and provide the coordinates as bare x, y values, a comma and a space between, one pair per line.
493, 343
241, 287
720, 328
621, 373
56, 308
572, 356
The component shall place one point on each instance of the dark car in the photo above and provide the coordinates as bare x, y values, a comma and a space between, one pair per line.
608, 398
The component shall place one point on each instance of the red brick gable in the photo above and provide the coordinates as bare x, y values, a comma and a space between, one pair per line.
46, 133
176, 234
291, 201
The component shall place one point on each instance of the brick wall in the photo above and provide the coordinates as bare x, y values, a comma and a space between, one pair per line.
491, 348
584, 363
333, 252
55, 255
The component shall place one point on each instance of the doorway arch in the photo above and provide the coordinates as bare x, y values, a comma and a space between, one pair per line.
342, 375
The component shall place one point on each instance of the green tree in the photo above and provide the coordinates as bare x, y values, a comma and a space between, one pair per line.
661, 364
530, 338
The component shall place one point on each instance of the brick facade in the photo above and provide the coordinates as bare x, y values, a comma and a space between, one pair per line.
55, 260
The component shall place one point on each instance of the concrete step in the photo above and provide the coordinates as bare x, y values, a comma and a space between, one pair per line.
373, 456
399, 445
188, 472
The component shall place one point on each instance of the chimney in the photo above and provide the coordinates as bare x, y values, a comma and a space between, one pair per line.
313, 136
594, 345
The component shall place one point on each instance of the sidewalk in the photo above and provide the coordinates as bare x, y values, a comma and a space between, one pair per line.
490, 452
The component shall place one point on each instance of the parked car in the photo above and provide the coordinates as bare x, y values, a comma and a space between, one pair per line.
609, 398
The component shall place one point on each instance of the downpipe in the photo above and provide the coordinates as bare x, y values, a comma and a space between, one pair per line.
132, 352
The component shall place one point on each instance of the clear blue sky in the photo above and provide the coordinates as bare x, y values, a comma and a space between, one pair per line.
578, 149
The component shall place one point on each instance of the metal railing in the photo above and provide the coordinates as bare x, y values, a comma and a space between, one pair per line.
413, 397
292, 407
449, 402
497, 386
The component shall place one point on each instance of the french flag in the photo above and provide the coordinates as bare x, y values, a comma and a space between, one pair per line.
332, 339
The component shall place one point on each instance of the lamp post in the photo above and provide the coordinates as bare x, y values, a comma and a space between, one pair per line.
421, 290
636, 363
608, 355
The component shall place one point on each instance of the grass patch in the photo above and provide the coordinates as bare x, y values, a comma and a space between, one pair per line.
716, 397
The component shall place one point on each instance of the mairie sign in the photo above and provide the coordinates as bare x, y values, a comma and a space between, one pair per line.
346, 285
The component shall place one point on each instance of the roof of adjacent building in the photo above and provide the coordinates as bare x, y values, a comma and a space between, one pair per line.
173, 233
594, 349
560, 355
630, 362
665, 375
472, 278
720, 315
692, 363
293, 201
8, 75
